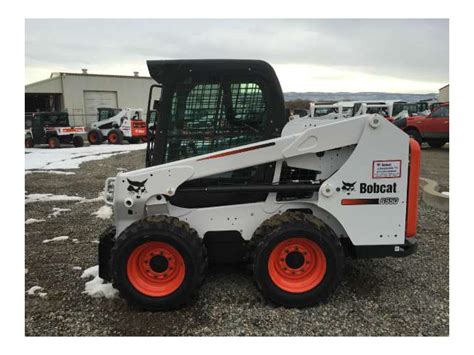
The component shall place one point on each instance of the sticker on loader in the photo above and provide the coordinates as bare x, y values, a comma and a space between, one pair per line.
383, 169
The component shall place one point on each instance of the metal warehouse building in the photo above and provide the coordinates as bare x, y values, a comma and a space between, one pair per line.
81, 94
444, 94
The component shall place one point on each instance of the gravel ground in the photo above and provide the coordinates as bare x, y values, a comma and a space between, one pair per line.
388, 296
435, 165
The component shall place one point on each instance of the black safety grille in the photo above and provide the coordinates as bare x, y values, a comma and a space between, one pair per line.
214, 117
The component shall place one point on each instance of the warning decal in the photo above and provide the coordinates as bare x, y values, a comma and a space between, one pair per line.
386, 169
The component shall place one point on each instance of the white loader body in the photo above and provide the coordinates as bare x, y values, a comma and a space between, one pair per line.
124, 122
363, 193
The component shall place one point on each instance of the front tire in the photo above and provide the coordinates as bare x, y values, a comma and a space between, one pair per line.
95, 136
115, 136
29, 142
436, 143
78, 141
413, 133
158, 263
297, 260
53, 142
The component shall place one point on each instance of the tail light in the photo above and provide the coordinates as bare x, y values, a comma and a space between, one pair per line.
139, 124
413, 182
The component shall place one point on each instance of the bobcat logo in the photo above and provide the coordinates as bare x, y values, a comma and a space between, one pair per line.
348, 187
137, 187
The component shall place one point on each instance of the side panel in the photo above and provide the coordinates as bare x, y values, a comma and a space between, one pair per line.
368, 194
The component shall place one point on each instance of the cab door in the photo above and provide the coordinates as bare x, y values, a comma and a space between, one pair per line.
437, 124
37, 129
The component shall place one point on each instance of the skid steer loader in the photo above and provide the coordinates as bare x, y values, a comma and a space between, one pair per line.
229, 178
117, 125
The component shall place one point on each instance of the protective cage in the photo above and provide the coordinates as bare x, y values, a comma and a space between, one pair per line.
212, 105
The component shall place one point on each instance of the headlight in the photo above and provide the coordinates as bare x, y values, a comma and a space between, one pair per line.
109, 191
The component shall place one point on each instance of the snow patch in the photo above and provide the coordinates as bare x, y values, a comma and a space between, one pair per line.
50, 197
105, 212
75, 240
32, 290
56, 239
96, 287
77, 268
57, 211
72, 158
445, 193
57, 172
34, 220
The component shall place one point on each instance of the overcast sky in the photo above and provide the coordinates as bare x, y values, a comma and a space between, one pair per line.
409, 56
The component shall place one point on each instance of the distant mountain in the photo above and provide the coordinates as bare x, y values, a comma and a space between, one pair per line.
356, 96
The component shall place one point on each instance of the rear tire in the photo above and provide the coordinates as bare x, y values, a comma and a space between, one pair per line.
53, 142
77, 141
29, 142
134, 140
436, 143
297, 260
158, 263
413, 133
95, 136
115, 136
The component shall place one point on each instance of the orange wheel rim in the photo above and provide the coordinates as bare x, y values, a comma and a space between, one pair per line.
297, 265
113, 138
156, 269
93, 138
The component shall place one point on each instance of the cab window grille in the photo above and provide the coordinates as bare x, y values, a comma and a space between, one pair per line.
211, 117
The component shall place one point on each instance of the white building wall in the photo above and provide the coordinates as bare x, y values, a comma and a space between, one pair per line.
444, 94
131, 92
48, 86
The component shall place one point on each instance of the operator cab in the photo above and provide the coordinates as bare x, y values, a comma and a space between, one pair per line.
104, 113
211, 105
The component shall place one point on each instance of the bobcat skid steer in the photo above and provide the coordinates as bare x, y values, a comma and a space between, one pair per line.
228, 178
117, 125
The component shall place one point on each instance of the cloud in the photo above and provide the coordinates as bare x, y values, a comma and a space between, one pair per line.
414, 51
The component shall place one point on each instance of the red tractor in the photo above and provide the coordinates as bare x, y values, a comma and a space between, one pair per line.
433, 129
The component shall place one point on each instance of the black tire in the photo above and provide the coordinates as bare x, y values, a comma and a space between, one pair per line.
280, 228
53, 142
436, 143
106, 243
29, 142
95, 136
134, 140
172, 232
78, 141
115, 136
413, 133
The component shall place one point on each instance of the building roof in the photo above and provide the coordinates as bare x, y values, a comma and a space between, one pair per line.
58, 74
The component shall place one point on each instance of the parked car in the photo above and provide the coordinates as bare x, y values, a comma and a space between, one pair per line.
433, 129
52, 128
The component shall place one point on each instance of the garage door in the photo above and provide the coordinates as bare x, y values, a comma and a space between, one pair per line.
95, 99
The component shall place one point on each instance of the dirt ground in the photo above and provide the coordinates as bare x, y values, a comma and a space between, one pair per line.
407, 296
435, 165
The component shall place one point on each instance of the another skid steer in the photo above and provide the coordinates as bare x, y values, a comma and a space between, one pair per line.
228, 178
